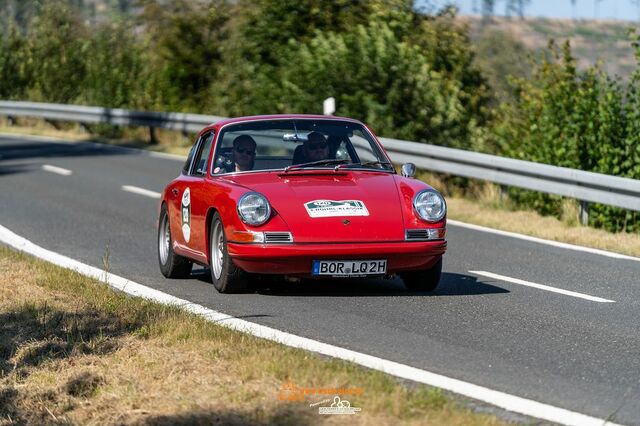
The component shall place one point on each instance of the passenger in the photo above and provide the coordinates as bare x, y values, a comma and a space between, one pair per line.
315, 148
244, 153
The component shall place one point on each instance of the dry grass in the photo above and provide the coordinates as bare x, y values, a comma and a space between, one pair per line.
484, 204
74, 351
169, 141
531, 223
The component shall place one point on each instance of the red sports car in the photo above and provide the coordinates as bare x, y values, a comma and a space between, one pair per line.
299, 196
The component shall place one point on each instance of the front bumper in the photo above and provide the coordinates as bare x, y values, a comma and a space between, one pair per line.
296, 259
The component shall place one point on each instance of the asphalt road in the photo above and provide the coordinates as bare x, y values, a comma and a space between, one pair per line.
555, 348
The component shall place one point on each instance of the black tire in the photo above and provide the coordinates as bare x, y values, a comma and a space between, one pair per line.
226, 276
171, 264
427, 280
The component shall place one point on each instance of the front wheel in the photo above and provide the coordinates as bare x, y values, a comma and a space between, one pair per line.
226, 276
423, 280
171, 264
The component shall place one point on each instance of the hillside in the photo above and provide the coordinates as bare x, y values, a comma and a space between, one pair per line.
591, 40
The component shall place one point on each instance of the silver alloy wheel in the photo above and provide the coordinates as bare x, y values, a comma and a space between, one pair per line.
164, 240
217, 247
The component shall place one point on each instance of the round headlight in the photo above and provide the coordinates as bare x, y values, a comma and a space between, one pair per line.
254, 209
430, 205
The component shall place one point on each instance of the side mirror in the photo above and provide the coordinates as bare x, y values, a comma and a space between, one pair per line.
409, 170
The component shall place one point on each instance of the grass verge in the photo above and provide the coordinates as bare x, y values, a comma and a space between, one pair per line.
74, 351
482, 205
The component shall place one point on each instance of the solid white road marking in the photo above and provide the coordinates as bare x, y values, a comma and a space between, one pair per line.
541, 286
56, 170
543, 241
500, 399
141, 191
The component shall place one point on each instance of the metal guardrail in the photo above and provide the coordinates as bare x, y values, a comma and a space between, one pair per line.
581, 185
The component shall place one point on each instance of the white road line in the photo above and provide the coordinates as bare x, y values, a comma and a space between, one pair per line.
140, 191
543, 241
56, 170
500, 399
541, 286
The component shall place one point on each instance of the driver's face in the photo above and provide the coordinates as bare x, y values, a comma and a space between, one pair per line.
316, 149
243, 154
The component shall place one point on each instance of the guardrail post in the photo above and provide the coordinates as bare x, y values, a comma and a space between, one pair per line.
584, 213
153, 140
504, 190
10, 120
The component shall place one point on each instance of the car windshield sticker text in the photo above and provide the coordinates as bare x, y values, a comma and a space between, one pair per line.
330, 208
186, 215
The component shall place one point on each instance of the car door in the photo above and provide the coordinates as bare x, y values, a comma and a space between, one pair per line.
193, 200
180, 197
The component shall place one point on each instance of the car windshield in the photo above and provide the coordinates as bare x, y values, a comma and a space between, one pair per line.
293, 144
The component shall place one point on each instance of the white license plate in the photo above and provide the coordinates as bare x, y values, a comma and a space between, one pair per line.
349, 268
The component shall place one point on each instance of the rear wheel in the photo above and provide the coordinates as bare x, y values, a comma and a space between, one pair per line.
171, 264
226, 276
426, 280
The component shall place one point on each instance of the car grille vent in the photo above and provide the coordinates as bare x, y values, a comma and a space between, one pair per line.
278, 237
417, 234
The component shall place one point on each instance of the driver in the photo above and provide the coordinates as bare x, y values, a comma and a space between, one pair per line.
315, 148
244, 153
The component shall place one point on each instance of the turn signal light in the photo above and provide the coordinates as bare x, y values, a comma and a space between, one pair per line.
247, 237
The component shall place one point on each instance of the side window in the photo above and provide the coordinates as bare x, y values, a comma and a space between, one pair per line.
200, 164
187, 164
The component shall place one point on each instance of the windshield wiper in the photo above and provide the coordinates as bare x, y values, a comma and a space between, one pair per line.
326, 162
370, 163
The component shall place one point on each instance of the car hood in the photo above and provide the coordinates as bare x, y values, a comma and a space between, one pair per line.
328, 206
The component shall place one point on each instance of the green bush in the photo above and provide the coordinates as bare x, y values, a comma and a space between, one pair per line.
577, 119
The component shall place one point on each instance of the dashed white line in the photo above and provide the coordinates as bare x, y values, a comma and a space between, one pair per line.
56, 170
140, 191
541, 286
500, 399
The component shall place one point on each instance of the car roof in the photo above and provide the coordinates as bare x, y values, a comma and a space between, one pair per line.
226, 121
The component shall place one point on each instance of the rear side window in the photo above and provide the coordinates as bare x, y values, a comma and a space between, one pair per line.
200, 164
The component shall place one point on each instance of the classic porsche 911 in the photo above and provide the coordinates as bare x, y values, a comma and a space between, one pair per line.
300, 196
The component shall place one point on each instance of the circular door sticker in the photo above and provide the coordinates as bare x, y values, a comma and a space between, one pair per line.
186, 214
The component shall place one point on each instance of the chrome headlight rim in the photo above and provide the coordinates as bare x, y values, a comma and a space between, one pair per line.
243, 199
435, 219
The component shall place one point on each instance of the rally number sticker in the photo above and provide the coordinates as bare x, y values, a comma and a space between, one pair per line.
186, 215
330, 208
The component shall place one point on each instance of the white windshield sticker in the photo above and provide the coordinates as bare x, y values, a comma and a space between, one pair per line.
331, 208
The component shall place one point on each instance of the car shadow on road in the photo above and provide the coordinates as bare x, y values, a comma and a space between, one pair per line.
451, 284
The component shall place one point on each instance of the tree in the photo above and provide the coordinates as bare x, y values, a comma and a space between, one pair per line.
14, 74
186, 39
56, 41
114, 67
403, 88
